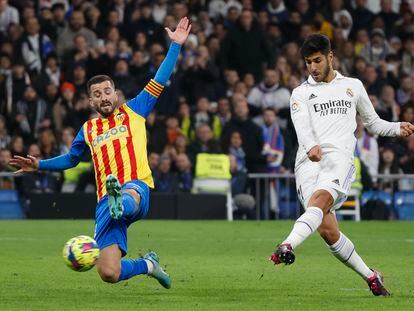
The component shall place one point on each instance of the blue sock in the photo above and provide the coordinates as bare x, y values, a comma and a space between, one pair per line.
129, 204
132, 267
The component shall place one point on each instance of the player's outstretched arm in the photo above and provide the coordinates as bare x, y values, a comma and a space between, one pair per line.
60, 163
146, 99
375, 124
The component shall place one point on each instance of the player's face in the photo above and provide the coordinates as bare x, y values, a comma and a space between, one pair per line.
103, 98
319, 65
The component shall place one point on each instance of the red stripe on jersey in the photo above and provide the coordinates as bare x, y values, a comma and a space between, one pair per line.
95, 159
117, 150
130, 146
104, 149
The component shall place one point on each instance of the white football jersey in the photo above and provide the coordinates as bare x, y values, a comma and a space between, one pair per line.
324, 114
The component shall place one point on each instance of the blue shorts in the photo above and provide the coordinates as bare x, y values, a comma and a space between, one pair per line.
110, 231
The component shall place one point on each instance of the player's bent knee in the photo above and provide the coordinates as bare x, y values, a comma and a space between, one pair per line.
109, 274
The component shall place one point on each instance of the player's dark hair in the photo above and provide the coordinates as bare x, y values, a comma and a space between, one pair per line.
315, 43
98, 79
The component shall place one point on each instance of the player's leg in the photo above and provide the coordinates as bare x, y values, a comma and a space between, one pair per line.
128, 204
112, 268
343, 249
319, 204
316, 203
123, 202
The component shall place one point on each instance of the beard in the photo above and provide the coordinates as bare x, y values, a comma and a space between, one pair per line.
106, 111
326, 72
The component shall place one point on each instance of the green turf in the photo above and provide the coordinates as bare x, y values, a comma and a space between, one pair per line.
214, 266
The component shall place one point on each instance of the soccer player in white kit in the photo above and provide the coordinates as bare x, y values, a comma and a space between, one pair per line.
323, 111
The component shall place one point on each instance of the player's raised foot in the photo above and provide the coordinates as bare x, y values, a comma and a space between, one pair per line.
283, 254
376, 284
158, 272
113, 188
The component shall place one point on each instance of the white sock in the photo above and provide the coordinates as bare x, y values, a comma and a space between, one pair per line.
344, 250
150, 266
304, 226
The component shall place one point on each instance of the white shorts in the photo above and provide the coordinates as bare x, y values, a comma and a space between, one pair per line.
334, 173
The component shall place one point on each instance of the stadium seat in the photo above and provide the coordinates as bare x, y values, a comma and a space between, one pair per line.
376, 194
10, 207
212, 175
351, 207
404, 205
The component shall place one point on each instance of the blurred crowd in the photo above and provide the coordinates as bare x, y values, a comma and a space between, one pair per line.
230, 90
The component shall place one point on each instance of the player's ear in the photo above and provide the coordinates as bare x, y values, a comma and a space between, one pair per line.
90, 101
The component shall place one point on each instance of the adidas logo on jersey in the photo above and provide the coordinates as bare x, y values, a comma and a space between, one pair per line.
312, 96
336, 181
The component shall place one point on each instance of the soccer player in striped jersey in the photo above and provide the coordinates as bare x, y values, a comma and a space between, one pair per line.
117, 142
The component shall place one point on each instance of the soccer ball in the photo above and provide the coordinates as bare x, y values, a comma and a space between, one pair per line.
80, 253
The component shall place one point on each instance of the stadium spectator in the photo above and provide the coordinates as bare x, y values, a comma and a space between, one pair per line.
367, 149
245, 48
164, 179
76, 26
63, 105
185, 177
235, 148
204, 142
378, 48
219, 8
274, 145
407, 58
39, 182
31, 114
277, 11
406, 88
67, 137
124, 80
17, 146
35, 46
203, 116
361, 16
8, 15
153, 161
4, 136
388, 165
5, 157
388, 16
250, 133
268, 93
47, 144
223, 111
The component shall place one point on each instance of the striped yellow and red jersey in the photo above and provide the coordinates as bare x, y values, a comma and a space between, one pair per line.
118, 143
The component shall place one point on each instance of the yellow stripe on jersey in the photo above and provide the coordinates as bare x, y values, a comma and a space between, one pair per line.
154, 88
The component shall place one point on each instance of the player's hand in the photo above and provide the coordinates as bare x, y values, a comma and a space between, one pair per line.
315, 154
29, 164
406, 129
181, 32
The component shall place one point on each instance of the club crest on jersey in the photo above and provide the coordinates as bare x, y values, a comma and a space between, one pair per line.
295, 107
349, 92
120, 116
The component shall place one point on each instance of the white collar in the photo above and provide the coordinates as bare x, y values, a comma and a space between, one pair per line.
337, 76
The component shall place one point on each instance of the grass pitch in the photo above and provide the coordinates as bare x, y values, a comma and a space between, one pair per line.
215, 265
